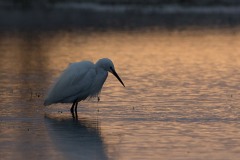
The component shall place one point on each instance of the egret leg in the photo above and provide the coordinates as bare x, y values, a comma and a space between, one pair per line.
75, 114
72, 108
76, 107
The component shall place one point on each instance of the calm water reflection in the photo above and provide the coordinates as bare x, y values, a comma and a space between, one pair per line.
181, 99
76, 139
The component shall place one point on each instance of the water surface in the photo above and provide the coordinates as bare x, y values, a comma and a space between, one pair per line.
181, 99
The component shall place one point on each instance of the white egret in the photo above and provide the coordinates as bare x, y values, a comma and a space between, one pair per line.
81, 80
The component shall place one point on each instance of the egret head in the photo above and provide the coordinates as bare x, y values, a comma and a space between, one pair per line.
107, 65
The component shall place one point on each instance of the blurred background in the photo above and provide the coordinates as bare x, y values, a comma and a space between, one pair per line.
55, 14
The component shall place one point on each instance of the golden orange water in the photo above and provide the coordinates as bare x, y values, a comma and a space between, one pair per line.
181, 99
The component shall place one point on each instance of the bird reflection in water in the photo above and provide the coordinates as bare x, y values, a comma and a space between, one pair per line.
77, 138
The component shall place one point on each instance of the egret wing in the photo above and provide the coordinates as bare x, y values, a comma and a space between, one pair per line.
74, 83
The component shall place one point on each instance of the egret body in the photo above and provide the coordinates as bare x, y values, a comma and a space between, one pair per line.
81, 80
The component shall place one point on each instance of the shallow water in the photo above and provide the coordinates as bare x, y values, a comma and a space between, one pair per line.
181, 99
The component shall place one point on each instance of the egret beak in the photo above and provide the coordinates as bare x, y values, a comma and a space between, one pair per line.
116, 75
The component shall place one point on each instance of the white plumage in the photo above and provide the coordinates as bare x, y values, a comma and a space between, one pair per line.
79, 81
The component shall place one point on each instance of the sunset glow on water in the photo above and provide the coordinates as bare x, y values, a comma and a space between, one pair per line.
181, 99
